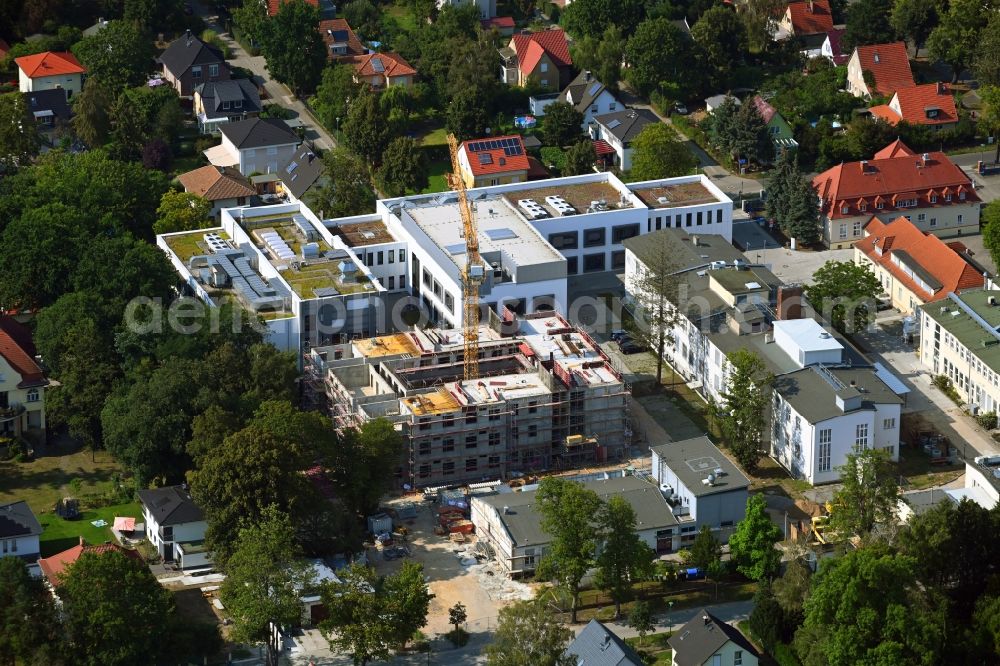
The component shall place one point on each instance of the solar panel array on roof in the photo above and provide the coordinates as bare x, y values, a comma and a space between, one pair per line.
594, 89
305, 227
339, 36
377, 65
510, 145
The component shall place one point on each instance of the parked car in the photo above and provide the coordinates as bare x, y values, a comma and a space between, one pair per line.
680, 108
630, 346
618, 334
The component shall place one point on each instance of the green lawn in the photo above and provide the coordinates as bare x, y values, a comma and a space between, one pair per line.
436, 137
436, 176
654, 646
403, 17
45, 480
60, 534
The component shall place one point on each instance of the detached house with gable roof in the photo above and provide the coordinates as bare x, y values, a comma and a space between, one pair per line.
189, 62
224, 187
708, 641
590, 97
928, 189
175, 525
540, 56
916, 267
48, 70
493, 161
888, 66
803, 18
613, 134
54, 566
19, 534
383, 70
223, 102
778, 128
931, 104
256, 145
22, 382
341, 42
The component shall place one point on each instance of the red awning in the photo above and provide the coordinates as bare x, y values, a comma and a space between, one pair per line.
602, 147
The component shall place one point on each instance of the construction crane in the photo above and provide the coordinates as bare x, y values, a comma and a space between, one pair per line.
472, 273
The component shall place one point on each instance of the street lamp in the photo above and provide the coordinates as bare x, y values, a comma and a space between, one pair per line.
670, 619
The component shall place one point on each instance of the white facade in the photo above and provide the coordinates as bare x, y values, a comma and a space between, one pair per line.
487, 8
71, 83
22, 407
164, 538
623, 150
264, 159
727, 655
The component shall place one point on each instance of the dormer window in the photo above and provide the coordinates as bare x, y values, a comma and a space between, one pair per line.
33, 395
947, 197
238, 104
879, 205
933, 198
226, 105
845, 209
961, 196
862, 206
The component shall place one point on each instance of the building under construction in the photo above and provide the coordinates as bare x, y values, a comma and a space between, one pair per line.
547, 398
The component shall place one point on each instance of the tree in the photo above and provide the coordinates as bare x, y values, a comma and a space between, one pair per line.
746, 396
334, 94
866, 608
602, 55
844, 293
366, 130
791, 591
991, 228
868, 495
867, 135
752, 544
119, 56
403, 168
457, 615
362, 464
658, 152
561, 125
986, 63
294, 49
349, 190
624, 558
368, 615
589, 17
251, 18
527, 633
722, 37
657, 290
955, 39
567, 511
706, 551
90, 114
660, 58
364, 17
265, 578
791, 201
759, 17
580, 158
724, 124
640, 618
19, 139
114, 609
868, 22
915, 19
181, 211
29, 626
751, 138
468, 114
156, 155
767, 620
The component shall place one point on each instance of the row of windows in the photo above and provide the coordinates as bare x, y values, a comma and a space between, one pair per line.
902, 203
448, 466
570, 240
686, 220
213, 71
389, 257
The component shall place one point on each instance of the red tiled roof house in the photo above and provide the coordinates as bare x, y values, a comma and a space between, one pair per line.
341, 42
54, 566
889, 66
807, 17
493, 161
541, 56
915, 267
383, 70
931, 104
928, 189
48, 70
22, 382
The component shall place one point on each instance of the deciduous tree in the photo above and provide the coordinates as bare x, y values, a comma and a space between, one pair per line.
706, 551
767, 620
468, 114
364, 17
251, 18
955, 39
660, 58
294, 49
915, 19
366, 131
363, 464
527, 633
752, 544
119, 56
986, 62
602, 55
349, 190
991, 228
792, 589
845, 293
181, 211
722, 37
30, 631
658, 152
334, 94
744, 400
403, 168
19, 139
580, 158
624, 558
868, 22
562, 124
567, 512
868, 495
640, 618
91, 121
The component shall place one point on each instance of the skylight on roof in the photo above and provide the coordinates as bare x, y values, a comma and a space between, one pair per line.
594, 89
457, 248
485, 158
503, 233
614, 123
377, 65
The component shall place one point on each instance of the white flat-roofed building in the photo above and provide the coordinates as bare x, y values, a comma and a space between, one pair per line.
807, 342
376, 247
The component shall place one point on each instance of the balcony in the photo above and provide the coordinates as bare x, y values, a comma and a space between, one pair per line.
11, 412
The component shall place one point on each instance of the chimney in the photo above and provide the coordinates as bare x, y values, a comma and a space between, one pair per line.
694, 240
706, 620
925, 158
789, 302
586, 75
941, 90
82, 542
187, 37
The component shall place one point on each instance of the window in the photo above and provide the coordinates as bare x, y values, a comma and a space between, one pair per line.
213, 70
494, 461
196, 72
425, 448
933, 222
843, 231
880, 205
272, 150
961, 218
494, 438
544, 68
448, 444
921, 217
272, 167
933, 198
238, 104
593, 237
425, 471
845, 209
961, 196
226, 105
863, 206
718, 216
33, 395
687, 220
449, 302
471, 465
251, 167
857, 229
168, 533
379, 257
888, 424
593, 262
947, 197
612, 106
572, 266
448, 468
402, 282
861, 437
424, 424
618, 260
593, 109
567, 240
391, 256
392, 282
532, 430
618, 234
823, 454
471, 441
738, 658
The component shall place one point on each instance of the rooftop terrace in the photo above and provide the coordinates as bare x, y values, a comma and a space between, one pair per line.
193, 243
359, 234
673, 196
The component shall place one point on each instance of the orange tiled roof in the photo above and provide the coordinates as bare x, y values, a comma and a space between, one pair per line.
889, 64
354, 46
552, 42
810, 17
17, 348
393, 64
216, 183
54, 566
49, 63
915, 102
489, 156
936, 259
880, 179
274, 5
894, 149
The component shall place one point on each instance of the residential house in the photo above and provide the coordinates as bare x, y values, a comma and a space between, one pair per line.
341, 42
929, 190
95, 29
804, 17
188, 62
590, 97
48, 70
960, 338
175, 525
887, 67
782, 137
54, 566
915, 267
493, 161
702, 486
19, 534
301, 173
708, 641
510, 523
255, 145
487, 8
931, 104
50, 108
383, 70
22, 383
539, 56
981, 487
715, 101
619, 129
223, 187
504, 25
596, 645
223, 102
824, 45
327, 9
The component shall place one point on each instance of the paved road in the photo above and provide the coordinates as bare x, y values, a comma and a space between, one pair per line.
276, 92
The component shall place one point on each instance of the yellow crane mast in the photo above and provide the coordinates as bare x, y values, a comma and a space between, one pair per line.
472, 273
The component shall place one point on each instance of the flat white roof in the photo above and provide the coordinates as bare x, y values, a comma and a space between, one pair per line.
976, 494
501, 229
807, 334
890, 380
503, 387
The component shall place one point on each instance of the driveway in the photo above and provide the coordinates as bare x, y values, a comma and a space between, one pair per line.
276, 92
